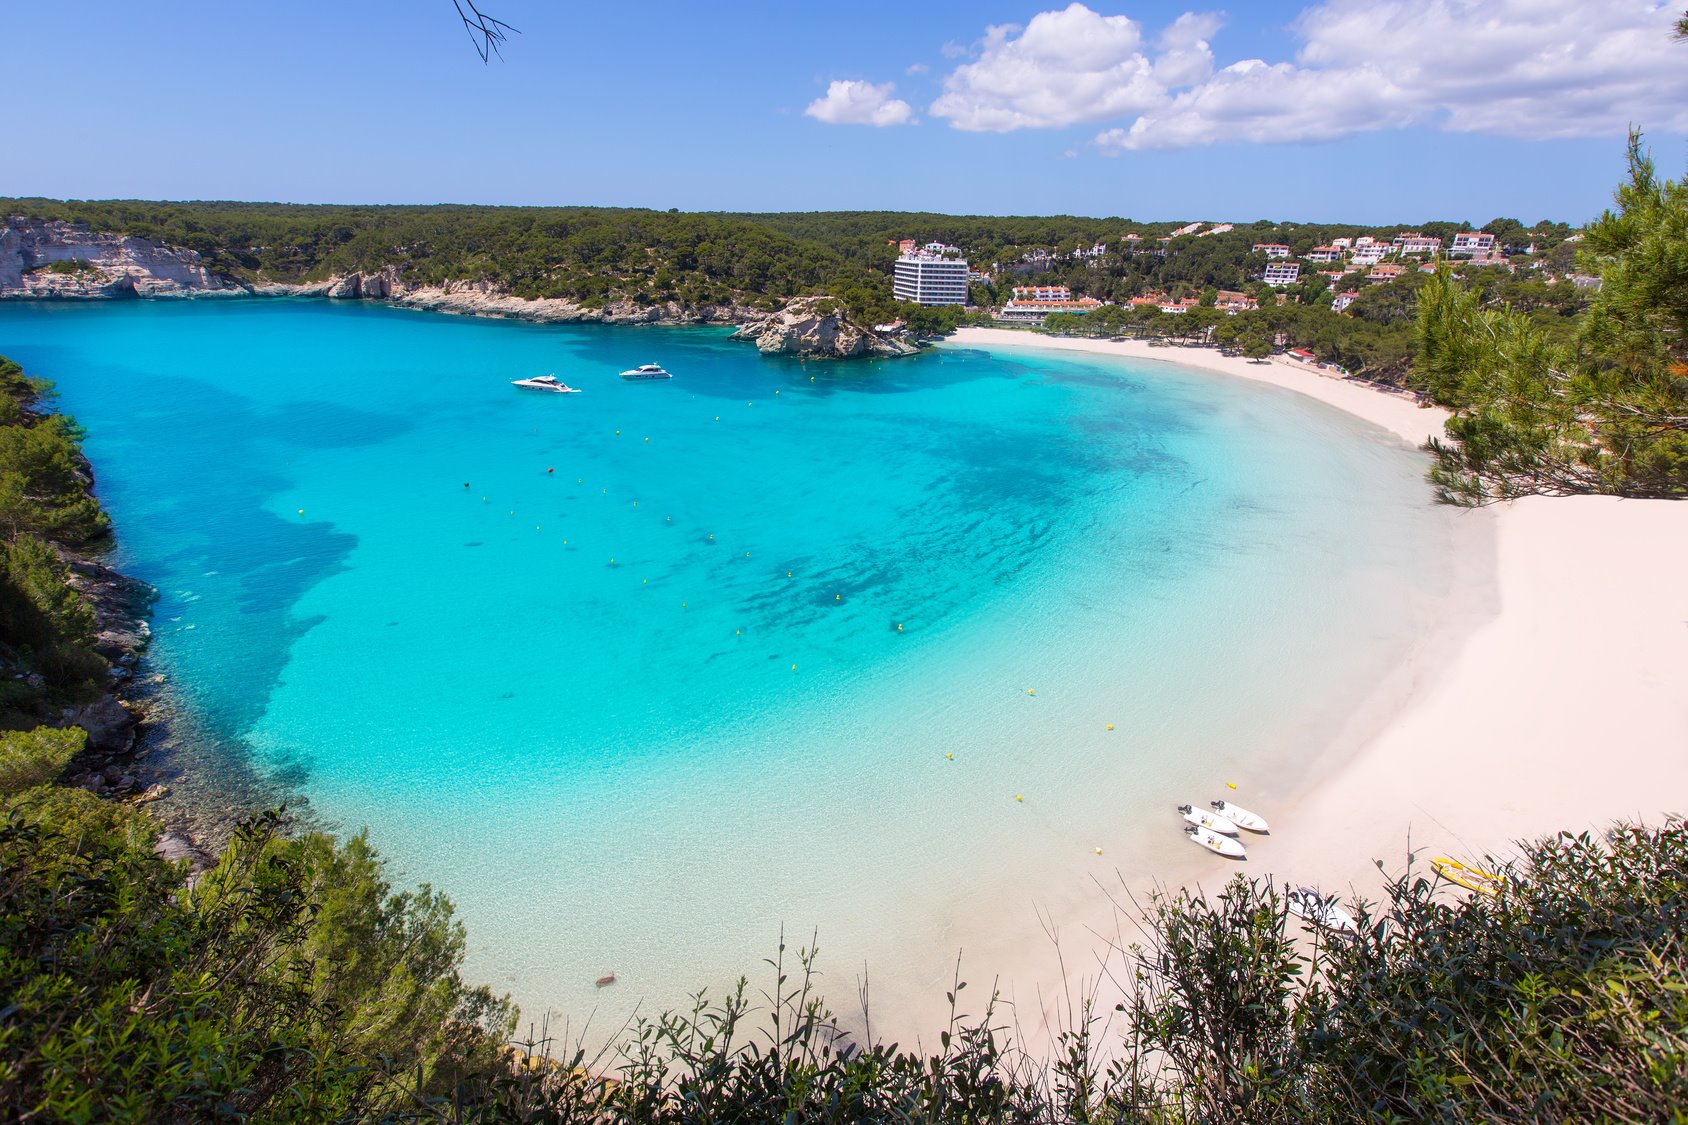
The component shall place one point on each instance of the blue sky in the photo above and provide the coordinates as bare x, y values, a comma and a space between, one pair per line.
1381, 111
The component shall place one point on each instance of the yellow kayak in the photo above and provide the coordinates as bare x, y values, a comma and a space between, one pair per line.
1471, 878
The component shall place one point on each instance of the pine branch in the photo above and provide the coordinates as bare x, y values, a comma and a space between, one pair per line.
485, 32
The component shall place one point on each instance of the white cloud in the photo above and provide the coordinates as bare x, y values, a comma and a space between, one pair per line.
917, 68
1064, 67
1518, 68
853, 102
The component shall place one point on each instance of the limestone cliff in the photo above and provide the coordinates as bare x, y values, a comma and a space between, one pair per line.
57, 259
819, 326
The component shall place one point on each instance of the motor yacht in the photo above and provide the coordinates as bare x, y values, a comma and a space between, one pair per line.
546, 383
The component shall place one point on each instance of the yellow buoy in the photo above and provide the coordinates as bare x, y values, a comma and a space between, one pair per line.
647, 439
1110, 726
712, 536
1098, 851
1232, 784
717, 417
1031, 691
788, 574
951, 757
1017, 797
899, 628
738, 632
776, 392
646, 581
301, 511
794, 667
682, 605
811, 378
618, 433
838, 597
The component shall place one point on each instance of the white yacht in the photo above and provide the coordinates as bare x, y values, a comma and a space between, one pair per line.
545, 383
647, 371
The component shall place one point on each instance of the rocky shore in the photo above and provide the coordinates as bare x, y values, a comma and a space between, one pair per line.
820, 326
42, 260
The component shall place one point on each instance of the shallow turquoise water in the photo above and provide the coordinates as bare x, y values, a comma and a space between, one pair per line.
640, 674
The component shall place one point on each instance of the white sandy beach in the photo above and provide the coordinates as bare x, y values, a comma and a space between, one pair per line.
1565, 708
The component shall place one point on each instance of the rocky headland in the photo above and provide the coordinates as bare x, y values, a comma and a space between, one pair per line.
820, 326
43, 260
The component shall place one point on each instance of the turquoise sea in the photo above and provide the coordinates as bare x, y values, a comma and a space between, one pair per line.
642, 674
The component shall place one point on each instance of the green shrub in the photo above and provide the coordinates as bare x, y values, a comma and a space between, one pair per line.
285, 984
35, 757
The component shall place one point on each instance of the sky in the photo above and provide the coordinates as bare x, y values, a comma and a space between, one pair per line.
1361, 111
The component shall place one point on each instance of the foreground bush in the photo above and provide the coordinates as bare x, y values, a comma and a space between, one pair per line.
289, 984
284, 984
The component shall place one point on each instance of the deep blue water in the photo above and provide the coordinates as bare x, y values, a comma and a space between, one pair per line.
636, 675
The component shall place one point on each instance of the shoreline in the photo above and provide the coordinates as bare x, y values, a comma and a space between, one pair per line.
1397, 413
1561, 705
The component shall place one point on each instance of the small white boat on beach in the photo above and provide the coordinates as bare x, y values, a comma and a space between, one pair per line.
646, 371
1204, 819
1317, 910
1241, 817
1214, 842
546, 383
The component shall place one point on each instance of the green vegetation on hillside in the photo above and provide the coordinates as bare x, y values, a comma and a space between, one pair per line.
1605, 410
46, 629
595, 255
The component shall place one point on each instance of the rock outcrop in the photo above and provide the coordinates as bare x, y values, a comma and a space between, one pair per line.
819, 326
58, 259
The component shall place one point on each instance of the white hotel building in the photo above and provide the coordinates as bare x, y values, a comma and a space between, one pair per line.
930, 279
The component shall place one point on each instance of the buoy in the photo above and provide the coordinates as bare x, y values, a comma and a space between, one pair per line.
646, 581
811, 378
747, 554
776, 392
1017, 797
712, 537
788, 574
301, 511
647, 439
899, 628
1098, 851
547, 470
794, 667
1110, 726
1232, 784
750, 404
838, 597
717, 417
635, 503
618, 433
682, 605
738, 632
580, 480
951, 757
1031, 691
465, 484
